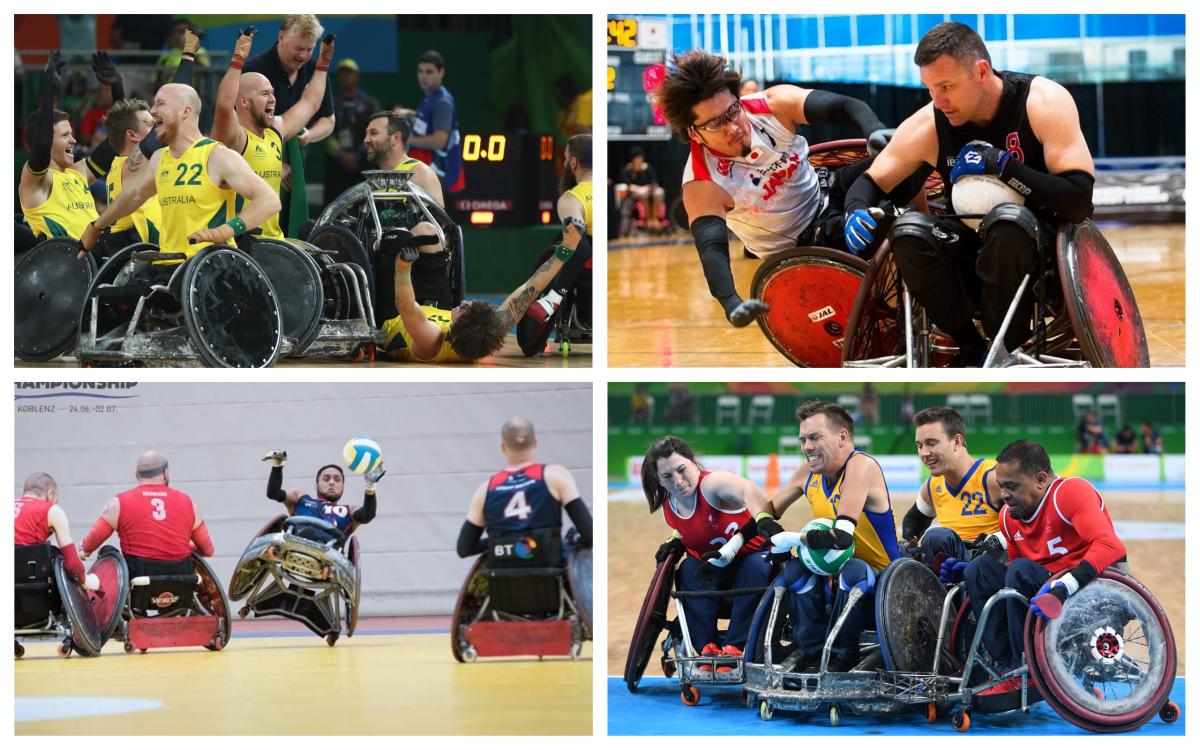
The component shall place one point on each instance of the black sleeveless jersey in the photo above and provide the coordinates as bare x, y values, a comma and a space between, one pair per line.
1008, 130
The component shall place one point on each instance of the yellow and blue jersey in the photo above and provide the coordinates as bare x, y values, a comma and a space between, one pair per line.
875, 533
968, 509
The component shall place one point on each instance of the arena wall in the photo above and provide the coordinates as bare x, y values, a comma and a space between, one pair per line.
439, 441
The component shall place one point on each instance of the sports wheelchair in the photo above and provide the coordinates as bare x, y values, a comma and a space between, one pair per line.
830, 308
1107, 664
49, 287
175, 604
49, 604
367, 223
525, 596
678, 655
304, 569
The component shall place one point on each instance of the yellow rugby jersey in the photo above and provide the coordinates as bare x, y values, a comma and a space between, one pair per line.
398, 343
875, 534
407, 165
145, 218
966, 509
583, 192
189, 199
265, 156
68, 210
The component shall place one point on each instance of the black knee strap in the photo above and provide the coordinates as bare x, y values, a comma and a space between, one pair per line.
1012, 213
916, 225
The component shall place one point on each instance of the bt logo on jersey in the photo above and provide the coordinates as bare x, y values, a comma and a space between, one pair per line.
524, 548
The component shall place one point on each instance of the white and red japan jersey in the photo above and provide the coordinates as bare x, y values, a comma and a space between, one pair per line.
1069, 526
774, 188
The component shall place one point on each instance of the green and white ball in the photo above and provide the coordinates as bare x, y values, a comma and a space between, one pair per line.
823, 562
361, 454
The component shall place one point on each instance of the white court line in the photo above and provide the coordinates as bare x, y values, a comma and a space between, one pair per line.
41, 709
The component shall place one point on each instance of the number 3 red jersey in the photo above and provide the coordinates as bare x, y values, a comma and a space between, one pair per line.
156, 522
1069, 526
709, 527
520, 500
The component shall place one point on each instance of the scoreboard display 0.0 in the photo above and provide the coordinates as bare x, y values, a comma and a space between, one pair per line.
510, 179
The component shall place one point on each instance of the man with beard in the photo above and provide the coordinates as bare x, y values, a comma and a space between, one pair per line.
847, 485
1051, 525
748, 171
574, 202
330, 483
195, 180
246, 122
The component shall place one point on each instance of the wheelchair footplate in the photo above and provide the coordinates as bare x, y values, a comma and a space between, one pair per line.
509, 638
144, 633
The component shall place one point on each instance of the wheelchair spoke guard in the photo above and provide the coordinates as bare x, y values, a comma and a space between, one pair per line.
231, 309
908, 608
49, 287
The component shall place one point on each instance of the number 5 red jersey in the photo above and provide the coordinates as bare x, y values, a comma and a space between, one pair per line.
1069, 526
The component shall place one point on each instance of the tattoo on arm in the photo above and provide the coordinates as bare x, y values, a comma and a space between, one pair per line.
517, 305
135, 161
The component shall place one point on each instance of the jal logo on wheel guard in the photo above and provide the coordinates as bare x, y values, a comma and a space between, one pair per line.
817, 316
165, 599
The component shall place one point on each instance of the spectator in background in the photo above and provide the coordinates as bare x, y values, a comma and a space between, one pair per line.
140, 31
870, 404
168, 62
1090, 434
347, 155
680, 405
641, 405
749, 86
1152, 441
575, 107
436, 139
1125, 441
91, 122
76, 36
638, 190
907, 409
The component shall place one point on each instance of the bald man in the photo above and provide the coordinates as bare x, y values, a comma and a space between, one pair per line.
37, 515
523, 497
159, 527
196, 181
246, 122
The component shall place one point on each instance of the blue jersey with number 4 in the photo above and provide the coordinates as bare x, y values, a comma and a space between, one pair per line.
338, 515
519, 500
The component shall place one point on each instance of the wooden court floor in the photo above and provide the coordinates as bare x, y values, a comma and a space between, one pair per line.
508, 357
367, 685
661, 315
1159, 564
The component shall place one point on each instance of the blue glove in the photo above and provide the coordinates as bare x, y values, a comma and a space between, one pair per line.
860, 230
951, 571
978, 158
1047, 602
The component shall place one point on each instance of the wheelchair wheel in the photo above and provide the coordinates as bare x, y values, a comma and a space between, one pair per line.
86, 637
874, 328
908, 608
50, 286
296, 278
810, 291
1099, 299
1107, 663
114, 583
652, 618
579, 580
231, 309
244, 578
470, 601
352, 606
211, 596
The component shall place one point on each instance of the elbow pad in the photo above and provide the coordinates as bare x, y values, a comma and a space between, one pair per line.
100, 531
275, 485
366, 513
470, 542
915, 523
826, 106
582, 519
712, 242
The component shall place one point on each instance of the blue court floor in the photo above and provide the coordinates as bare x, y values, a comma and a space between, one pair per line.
656, 709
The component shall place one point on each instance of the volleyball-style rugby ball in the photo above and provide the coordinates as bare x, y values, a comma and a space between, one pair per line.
823, 562
361, 454
980, 193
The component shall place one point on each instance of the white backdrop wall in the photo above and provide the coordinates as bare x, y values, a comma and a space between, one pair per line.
439, 440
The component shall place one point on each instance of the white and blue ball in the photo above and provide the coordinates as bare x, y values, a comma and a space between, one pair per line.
823, 562
361, 454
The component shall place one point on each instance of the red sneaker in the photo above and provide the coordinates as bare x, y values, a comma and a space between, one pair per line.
728, 651
710, 649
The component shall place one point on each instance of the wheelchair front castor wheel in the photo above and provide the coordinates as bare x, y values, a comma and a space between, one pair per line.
1169, 712
244, 612
689, 695
216, 644
668, 667
765, 712
331, 638
931, 713
961, 720
128, 647
835, 716
64, 649
20, 649
469, 654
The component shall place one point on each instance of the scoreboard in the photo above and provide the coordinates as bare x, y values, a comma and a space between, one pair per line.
511, 180
637, 53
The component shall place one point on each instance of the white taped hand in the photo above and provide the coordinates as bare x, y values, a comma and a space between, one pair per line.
728, 551
91, 582
786, 540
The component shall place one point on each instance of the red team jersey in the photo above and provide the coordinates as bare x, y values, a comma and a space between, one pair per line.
156, 522
1069, 526
30, 520
709, 527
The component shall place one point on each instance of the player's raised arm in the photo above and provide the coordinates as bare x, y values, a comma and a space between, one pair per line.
226, 127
